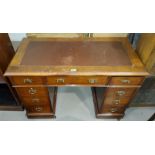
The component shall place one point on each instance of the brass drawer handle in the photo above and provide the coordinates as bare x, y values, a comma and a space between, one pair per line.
113, 110
35, 100
27, 80
32, 91
60, 80
116, 102
125, 81
92, 81
121, 92
38, 109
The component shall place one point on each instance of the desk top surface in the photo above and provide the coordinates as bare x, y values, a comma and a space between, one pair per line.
85, 56
78, 53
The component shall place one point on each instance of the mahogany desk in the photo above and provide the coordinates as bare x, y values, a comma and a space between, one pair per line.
108, 65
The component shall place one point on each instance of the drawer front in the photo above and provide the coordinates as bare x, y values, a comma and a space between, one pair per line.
126, 80
28, 80
38, 109
77, 80
118, 93
31, 101
32, 91
116, 101
112, 109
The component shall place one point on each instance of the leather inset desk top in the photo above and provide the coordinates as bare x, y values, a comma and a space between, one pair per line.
78, 53
80, 57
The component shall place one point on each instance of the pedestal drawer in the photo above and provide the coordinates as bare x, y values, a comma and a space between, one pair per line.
116, 101
31, 101
32, 91
112, 109
39, 109
120, 92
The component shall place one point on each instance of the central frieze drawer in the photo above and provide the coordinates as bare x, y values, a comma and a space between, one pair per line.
77, 80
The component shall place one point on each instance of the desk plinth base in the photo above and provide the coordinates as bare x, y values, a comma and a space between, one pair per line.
11, 108
42, 115
109, 115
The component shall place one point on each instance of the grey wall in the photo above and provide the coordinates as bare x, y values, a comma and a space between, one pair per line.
17, 36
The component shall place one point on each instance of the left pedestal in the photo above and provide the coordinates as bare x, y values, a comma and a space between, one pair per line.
39, 102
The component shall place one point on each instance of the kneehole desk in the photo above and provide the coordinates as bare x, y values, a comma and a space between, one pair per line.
108, 65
